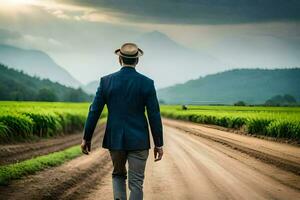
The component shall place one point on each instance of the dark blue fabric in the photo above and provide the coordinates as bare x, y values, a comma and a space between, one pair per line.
126, 93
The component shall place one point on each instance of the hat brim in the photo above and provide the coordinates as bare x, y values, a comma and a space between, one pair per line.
139, 54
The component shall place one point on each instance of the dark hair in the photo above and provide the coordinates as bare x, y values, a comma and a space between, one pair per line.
129, 61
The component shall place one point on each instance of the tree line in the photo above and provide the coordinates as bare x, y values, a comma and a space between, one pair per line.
18, 86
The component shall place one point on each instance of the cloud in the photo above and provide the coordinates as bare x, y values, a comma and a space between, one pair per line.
82, 35
8, 35
196, 11
60, 14
73, 12
28, 41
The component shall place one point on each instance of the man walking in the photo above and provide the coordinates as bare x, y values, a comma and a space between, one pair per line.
127, 93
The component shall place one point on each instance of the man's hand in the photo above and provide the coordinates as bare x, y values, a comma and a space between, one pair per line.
85, 146
158, 153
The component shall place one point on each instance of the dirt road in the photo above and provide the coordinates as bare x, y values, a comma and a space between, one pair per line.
193, 167
12, 153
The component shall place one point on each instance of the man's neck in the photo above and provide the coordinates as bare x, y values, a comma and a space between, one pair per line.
133, 66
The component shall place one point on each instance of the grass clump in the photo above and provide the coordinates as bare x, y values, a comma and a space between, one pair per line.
18, 170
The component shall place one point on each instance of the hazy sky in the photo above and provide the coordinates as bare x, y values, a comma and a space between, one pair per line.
81, 35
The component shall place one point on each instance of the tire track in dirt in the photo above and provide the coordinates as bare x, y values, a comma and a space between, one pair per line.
208, 170
283, 156
198, 168
193, 167
67, 181
18, 152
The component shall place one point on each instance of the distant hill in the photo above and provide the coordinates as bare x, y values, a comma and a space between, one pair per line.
165, 56
17, 86
36, 63
91, 87
254, 86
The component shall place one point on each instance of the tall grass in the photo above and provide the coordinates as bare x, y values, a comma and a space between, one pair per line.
279, 122
27, 120
17, 170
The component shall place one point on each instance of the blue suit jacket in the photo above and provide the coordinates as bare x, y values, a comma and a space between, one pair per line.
126, 93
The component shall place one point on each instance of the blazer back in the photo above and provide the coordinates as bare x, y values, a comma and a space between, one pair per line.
127, 95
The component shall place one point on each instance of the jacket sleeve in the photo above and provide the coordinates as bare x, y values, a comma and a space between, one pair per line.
153, 113
95, 111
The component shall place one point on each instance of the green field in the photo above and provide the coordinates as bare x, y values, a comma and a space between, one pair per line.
280, 122
19, 169
30, 120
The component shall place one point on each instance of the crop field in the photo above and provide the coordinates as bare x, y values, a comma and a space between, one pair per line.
280, 122
29, 120
35, 165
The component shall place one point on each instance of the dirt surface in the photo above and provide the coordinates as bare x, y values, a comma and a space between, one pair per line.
284, 156
18, 152
197, 168
193, 167
61, 182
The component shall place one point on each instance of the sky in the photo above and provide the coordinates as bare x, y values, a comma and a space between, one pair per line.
209, 35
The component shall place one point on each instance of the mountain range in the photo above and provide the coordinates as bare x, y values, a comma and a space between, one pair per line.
91, 87
165, 57
18, 86
36, 63
253, 86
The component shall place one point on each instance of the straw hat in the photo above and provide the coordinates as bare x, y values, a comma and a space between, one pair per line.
129, 50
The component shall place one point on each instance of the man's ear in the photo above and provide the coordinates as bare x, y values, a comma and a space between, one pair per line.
137, 61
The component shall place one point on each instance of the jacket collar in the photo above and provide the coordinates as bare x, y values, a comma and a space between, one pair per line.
127, 68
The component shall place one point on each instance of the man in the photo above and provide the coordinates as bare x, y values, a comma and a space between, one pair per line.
127, 93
